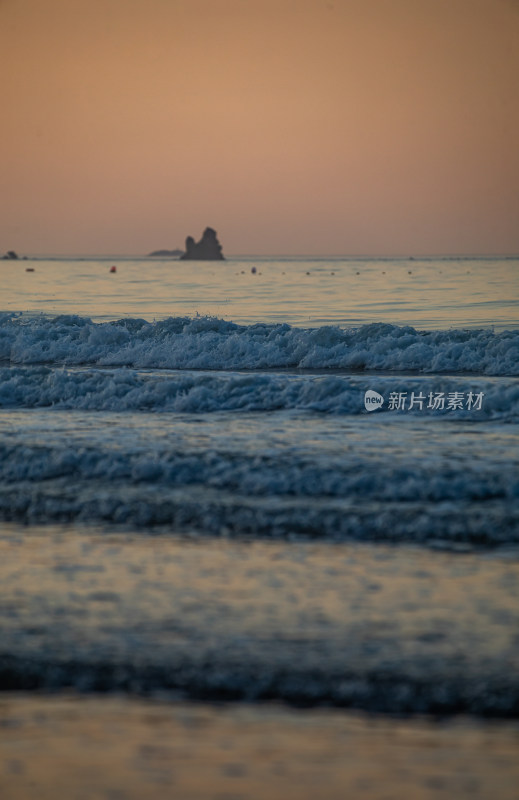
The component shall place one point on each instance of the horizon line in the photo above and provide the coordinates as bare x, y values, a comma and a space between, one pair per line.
236, 256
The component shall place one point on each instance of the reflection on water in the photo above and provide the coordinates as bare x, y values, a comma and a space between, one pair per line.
117, 748
385, 629
428, 293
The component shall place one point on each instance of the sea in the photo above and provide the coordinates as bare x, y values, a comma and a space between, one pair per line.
259, 527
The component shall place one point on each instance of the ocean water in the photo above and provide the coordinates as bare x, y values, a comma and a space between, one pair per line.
198, 500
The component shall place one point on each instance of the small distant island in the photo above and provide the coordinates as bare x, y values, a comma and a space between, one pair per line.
11, 256
167, 253
207, 249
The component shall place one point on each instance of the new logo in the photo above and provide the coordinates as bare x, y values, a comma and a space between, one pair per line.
372, 400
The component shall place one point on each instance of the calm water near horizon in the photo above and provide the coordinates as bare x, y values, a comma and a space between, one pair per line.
429, 293
198, 503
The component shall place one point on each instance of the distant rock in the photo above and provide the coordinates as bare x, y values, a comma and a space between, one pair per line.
10, 256
166, 253
207, 249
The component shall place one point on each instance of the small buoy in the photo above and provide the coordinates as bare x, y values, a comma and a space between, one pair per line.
409, 272
243, 272
113, 269
333, 273
253, 270
308, 273
358, 273
29, 269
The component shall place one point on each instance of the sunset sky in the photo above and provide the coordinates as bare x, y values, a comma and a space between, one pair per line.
290, 126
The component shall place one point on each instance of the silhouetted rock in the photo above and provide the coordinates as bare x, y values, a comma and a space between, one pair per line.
10, 255
207, 249
166, 253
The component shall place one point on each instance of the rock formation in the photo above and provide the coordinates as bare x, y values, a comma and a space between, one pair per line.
10, 256
207, 249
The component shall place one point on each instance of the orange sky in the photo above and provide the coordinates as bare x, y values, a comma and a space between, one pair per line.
290, 126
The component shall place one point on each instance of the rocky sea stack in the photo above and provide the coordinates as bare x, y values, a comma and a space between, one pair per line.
207, 249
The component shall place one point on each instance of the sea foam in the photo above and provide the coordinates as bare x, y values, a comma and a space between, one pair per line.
210, 343
188, 391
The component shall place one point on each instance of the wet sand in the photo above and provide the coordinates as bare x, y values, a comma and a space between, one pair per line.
122, 749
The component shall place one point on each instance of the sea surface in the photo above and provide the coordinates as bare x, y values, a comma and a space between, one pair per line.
290, 484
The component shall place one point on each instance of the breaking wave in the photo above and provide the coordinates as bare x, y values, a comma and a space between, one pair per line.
210, 343
203, 392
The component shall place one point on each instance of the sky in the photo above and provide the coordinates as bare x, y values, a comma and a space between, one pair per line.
312, 127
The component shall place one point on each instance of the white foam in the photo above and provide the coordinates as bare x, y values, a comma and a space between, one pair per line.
204, 392
209, 343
